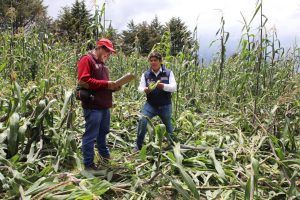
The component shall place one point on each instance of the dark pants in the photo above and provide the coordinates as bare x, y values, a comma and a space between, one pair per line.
165, 114
97, 124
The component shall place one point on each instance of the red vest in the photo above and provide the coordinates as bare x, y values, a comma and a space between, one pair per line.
102, 97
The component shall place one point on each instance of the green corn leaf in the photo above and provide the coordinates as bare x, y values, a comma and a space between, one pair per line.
256, 11
177, 154
226, 38
12, 137
255, 167
2, 178
171, 157
22, 131
186, 177
2, 66
266, 20
217, 164
34, 187
19, 95
143, 153
160, 131
189, 182
3, 135
291, 162
245, 23
68, 96
248, 190
5, 161
255, 171
179, 188
29, 93
43, 113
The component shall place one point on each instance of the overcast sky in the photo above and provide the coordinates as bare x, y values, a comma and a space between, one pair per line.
205, 14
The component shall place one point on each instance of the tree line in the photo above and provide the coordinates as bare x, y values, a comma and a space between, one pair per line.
76, 23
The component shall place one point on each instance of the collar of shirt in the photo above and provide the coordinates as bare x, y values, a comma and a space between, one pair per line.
98, 61
156, 73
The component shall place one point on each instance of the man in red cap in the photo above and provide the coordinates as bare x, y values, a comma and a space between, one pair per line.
93, 74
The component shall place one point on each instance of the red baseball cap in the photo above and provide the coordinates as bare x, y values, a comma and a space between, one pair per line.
107, 43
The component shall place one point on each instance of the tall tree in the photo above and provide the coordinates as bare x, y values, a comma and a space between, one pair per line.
81, 17
75, 21
143, 35
20, 13
112, 34
65, 21
179, 35
156, 31
147, 35
128, 38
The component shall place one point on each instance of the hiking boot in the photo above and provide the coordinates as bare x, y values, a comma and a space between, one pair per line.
105, 160
91, 167
135, 149
171, 140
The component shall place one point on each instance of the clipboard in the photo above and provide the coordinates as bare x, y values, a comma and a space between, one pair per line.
125, 79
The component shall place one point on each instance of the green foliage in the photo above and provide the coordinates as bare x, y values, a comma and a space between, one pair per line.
112, 35
156, 30
128, 38
16, 14
143, 37
12, 136
74, 22
180, 36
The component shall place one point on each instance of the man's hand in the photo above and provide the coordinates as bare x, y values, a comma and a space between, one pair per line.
112, 85
83, 84
160, 86
147, 90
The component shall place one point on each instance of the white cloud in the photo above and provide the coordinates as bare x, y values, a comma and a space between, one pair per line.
280, 13
284, 15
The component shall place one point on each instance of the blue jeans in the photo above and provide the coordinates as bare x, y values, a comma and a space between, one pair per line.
97, 124
165, 114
